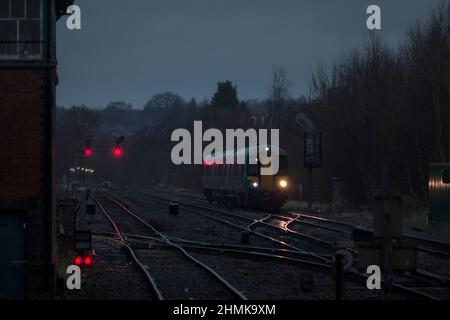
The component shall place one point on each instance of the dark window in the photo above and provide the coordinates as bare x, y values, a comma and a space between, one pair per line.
29, 32
33, 9
8, 30
8, 34
20, 29
446, 176
4, 8
17, 8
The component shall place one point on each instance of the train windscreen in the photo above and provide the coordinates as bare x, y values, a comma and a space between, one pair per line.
282, 171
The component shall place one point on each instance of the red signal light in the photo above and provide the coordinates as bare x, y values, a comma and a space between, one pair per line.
117, 152
78, 260
88, 260
213, 163
88, 152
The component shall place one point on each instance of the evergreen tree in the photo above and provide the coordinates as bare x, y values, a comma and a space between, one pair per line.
192, 104
225, 96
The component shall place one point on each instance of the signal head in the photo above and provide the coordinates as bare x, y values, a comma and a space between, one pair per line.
88, 260
117, 152
78, 260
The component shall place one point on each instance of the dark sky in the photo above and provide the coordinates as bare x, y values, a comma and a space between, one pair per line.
130, 50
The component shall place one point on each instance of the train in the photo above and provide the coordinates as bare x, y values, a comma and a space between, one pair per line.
243, 185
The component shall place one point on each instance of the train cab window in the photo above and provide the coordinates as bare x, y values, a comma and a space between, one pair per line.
253, 169
446, 177
21, 32
282, 171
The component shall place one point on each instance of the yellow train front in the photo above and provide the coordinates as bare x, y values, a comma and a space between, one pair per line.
243, 185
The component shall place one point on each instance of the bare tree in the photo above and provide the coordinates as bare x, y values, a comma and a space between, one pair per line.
278, 93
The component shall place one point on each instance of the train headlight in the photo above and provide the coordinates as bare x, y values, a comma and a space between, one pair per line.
255, 184
283, 183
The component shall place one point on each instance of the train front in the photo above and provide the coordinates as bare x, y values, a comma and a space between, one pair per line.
268, 191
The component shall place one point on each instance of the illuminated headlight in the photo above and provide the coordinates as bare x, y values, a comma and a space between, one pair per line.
283, 183
255, 184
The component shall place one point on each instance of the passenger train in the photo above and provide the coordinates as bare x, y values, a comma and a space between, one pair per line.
242, 185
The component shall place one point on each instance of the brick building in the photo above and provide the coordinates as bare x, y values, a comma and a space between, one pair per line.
27, 105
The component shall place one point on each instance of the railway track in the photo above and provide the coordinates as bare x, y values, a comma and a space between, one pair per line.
258, 253
327, 223
427, 283
243, 223
438, 248
260, 224
156, 292
430, 246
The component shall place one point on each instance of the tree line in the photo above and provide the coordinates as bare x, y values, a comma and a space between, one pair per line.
390, 107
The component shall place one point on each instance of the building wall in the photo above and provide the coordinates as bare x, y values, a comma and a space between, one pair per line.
25, 182
21, 94
27, 107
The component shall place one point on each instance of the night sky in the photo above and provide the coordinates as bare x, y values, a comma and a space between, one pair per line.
130, 50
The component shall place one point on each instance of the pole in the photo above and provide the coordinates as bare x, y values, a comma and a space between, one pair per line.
83, 198
300, 190
387, 234
339, 273
310, 185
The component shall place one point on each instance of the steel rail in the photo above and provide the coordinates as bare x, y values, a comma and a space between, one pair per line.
254, 222
424, 241
189, 208
186, 207
224, 282
238, 250
224, 246
155, 292
219, 247
335, 222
